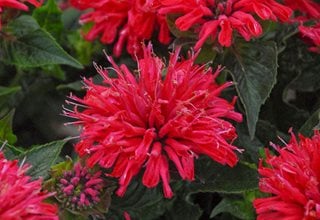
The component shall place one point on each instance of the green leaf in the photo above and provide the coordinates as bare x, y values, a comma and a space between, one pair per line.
251, 146
70, 19
313, 123
253, 67
32, 46
183, 210
6, 133
213, 177
241, 209
42, 157
49, 18
5, 91
11, 152
140, 202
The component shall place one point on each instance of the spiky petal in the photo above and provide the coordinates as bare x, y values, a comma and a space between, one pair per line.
139, 123
292, 178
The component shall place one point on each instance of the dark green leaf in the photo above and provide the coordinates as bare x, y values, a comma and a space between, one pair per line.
70, 19
49, 18
311, 124
239, 208
183, 210
33, 47
4, 91
11, 152
213, 177
6, 133
140, 202
42, 157
254, 69
251, 146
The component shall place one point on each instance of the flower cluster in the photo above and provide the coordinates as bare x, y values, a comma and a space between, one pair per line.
132, 124
293, 179
128, 22
219, 19
21, 198
136, 20
17, 4
78, 189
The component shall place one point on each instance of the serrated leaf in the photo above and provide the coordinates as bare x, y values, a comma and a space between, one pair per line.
6, 133
49, 18
140, 202
213, 177
42, 157
239, 208
33, 47
254, 69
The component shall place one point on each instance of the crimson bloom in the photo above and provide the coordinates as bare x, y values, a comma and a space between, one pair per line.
292, 178
17, 4
126, 22
219, 19
138, 124
21, 198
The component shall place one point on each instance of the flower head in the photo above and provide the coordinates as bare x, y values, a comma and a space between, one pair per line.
138, 124
126, 22
220, 19
21, 198
79, 189
292, 178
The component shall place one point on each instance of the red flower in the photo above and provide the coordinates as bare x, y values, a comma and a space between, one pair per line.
307, 8
312, 36
21, 198
129, 22
219, 19
17, 5
132, 124
293, 179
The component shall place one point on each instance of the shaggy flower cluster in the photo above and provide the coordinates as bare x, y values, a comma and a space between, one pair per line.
127, 22
138, 124
17, 4
218, 19
79, 189
21, 198
292, 178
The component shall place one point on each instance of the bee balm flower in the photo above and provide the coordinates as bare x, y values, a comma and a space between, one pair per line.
139, 123
21, 198
221, 19
292, 178
124, 22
